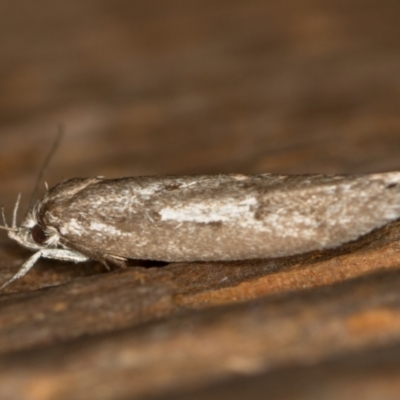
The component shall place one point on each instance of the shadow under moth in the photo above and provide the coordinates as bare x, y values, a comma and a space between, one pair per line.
203, 218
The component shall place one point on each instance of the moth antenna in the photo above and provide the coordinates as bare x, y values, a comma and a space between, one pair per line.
46, 186
15, 213
4, 217
45, 164
7, 228
12, 228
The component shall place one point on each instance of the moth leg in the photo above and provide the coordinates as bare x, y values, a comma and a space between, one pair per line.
105, 263
26, 266
55, 254
120, 262
64, 255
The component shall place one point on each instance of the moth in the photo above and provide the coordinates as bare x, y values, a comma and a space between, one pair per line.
203, 218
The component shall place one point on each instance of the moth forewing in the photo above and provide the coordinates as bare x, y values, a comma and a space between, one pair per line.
204, 218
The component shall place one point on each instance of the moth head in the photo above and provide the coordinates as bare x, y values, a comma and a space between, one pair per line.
32, 233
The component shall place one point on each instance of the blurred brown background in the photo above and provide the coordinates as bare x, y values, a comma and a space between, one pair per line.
182, 87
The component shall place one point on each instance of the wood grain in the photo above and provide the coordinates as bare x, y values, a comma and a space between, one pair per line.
188, 87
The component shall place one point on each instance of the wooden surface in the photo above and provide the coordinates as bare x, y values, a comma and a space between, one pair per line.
156, 87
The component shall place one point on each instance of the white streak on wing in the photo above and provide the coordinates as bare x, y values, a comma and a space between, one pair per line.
387, 177
295, 225
218, 211
149, 190
99, 228
75, 227
72, 227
